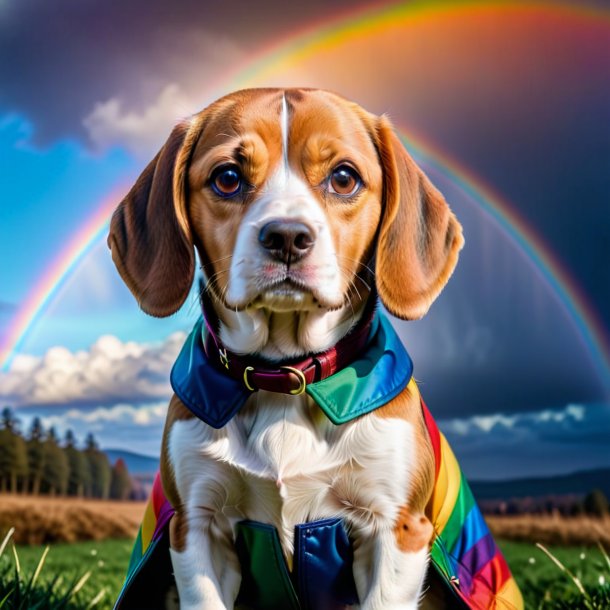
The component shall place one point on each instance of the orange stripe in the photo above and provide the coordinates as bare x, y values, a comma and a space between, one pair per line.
509, 597
447, 487
148, 525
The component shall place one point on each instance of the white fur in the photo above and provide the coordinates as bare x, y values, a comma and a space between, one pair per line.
287, 197
254, 468
285, 130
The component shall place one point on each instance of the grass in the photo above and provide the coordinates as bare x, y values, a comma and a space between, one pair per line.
544, 584
572, 577
60, 568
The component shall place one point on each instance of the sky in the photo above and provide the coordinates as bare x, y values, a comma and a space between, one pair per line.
505, 105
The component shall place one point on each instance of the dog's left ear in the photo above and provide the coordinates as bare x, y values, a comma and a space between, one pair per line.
150, 236
419, 237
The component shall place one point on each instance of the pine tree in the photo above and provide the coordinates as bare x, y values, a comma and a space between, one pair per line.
99, 469
79, 478
19, 472
36, 455
56, 470
120, 485
6, 458
13, 457
596, 503
7, 421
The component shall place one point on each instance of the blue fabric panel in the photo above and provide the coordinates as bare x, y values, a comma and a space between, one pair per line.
323, 565
211, 395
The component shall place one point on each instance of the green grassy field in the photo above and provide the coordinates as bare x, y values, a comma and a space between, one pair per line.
106, 560
542, 582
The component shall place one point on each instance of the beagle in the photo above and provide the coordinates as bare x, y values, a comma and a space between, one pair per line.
299, 466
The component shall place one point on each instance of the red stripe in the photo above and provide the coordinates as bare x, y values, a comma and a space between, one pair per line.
435, 437
489, 581
157, 495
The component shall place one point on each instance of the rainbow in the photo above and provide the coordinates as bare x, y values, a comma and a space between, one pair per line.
324, 35
57, 274
304, 44
506, 217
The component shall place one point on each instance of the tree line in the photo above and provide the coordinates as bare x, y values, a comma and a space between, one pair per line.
39, 463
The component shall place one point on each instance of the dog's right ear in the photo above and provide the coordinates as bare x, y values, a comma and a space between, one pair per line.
150, 236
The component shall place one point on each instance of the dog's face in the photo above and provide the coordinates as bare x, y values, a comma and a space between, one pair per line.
278, 182
289, 196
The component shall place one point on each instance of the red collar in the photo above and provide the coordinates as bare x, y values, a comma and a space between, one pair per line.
285, 377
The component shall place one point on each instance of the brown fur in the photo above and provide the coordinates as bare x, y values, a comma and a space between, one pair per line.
149, 246
419, 236
412, 532
413, 529
178, 526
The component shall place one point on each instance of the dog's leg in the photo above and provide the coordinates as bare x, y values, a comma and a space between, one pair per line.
205, 565
204, 560
390, 565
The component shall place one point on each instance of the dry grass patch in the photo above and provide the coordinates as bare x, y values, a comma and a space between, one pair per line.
551, 529
45, 520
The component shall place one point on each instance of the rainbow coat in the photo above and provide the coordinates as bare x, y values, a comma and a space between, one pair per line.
465, 560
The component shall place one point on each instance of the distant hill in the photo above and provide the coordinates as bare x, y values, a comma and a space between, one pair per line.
575, 483
136, 464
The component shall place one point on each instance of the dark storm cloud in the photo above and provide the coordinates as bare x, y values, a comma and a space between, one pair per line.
535, 443
499, 337
544, 145
61, 58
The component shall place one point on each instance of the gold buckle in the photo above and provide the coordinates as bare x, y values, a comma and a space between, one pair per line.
224, 359
246, 370
302, 380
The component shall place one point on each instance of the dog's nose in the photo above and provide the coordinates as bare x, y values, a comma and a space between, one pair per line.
287, 241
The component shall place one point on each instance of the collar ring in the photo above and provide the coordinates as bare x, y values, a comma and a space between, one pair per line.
301, 377
246, 382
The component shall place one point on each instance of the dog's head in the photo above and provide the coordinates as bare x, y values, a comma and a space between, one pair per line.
290, 197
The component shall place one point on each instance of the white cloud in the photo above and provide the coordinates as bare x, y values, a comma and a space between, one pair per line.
109, 373
144, 131
531, 420
121, 426
100, 417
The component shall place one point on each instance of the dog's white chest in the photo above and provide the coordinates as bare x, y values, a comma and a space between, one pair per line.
282, 462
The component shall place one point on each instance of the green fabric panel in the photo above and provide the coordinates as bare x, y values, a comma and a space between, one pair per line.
136, 554
137, 564
265, 580
463, 505
441, 559
369, 382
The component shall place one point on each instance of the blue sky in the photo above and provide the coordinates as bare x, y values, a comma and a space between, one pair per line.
503, 363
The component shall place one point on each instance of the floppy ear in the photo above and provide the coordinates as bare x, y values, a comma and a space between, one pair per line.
149, 237
419, 237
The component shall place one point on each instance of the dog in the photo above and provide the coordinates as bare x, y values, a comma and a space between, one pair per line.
299, 466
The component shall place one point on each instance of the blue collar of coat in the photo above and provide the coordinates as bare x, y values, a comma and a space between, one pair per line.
373, 378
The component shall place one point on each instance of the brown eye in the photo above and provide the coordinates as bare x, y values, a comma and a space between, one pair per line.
226, 181
344, 181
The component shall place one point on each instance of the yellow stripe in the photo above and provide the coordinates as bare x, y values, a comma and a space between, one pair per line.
509, 597
447, 487
148, 525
